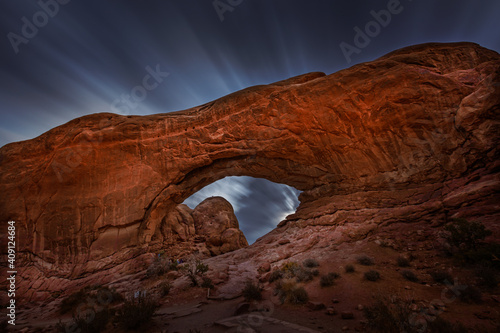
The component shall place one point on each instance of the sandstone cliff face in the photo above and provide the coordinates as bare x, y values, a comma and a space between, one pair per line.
410, 136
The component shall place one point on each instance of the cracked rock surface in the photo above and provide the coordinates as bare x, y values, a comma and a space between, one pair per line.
410, 136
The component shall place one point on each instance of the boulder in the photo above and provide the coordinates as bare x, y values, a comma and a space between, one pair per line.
215, 220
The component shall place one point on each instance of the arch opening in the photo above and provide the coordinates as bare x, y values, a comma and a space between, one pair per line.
259, 204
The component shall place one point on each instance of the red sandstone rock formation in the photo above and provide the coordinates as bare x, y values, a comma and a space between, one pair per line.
212, 222
412, 136
215, 220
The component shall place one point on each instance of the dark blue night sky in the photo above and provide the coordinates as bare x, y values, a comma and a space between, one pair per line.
80, 57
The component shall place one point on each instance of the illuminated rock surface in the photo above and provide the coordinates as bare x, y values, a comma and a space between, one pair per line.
410, 137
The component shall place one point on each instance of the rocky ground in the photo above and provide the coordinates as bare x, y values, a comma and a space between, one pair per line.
334, 308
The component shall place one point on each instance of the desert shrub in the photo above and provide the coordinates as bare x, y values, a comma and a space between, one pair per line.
441, 276
159, 266
91, 294
403, 261
195, 269
283, 288
466, 235
275, 275
173, 266
471, 294
293, 270
328, 279
304, 275
389, 317
252, 291
487, 274
397, 316
440, 325
289, 269
365, 260
372, 275
288, 291
380, 318
136, 312
207, 283
310, 263
165, 287
409, 275
72, 301
299, 296
487, 253
350, 268
94, 322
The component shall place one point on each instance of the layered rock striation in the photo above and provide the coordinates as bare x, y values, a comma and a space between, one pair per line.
411, 136
212, 224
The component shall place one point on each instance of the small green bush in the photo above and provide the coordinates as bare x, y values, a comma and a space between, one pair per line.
207, 283
365, 260
350, 268
304, 275
252, 291
372, 275
471, 294
289, 269
136, 312
381, 318
165, 287
194, 269
288, 291
396, 316
159, 266
441, 276
310, 263
487, 253
466, 235
299, 296
96, 294
293, 270
403, 262
328, 279
409, 275
275, 275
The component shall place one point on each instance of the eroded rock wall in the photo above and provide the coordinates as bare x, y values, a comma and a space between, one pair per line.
411, 135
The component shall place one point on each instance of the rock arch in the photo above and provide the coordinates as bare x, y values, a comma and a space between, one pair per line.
405, 123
